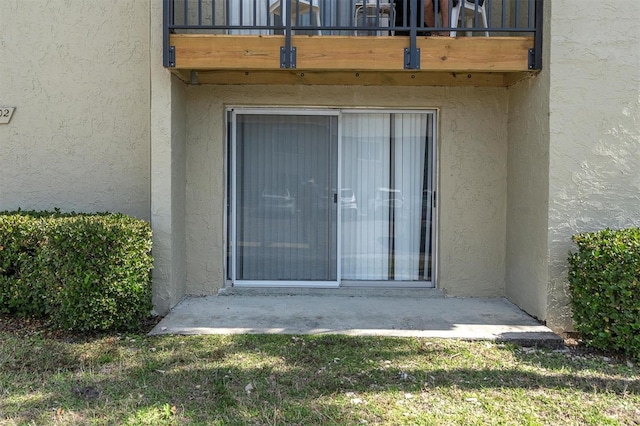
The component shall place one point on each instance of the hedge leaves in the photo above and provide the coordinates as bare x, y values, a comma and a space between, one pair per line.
603, 279
85, 272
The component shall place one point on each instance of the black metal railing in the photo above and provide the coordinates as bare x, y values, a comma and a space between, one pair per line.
407, 18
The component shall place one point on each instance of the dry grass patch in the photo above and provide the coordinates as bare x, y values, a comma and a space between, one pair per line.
307, 380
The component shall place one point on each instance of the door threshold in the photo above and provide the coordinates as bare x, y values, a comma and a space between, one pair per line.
337, 291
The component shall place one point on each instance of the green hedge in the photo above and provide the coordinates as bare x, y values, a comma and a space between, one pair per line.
83, 271
603, 279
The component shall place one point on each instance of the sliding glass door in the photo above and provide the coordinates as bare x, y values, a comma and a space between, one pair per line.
328, 197
284, 211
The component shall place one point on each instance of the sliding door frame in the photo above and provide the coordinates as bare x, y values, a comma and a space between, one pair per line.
233, 189
231, 113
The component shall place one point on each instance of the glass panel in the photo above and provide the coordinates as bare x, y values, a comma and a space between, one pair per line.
286, 168
386, 203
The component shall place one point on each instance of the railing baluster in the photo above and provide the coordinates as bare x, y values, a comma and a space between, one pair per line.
407, 12
324, 10
266, 5
404, 13
351, 17
255, 12
227, 13
412, 54
449, 24
165, 33
537, 41
530, 21
186, 12
475, 15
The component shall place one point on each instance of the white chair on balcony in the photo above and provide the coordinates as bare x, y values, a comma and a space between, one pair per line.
368, 12
310, 8
470, 7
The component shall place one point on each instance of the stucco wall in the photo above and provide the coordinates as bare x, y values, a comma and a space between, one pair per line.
168, 171
527, 197
178, 187
594, 130
78, 74
527, 258
472, 175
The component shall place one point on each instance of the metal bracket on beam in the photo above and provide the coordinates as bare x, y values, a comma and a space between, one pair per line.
287, 58
532, 59
172, 56
411, 58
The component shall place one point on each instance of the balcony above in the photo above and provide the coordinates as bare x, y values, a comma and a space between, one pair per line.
341, 42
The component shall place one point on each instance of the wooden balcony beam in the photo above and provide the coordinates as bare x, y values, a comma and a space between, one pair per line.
354, 78
251, 59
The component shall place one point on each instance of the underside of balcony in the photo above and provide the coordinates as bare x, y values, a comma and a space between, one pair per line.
350, 60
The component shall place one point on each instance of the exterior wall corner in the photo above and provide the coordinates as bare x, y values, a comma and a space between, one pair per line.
168, 174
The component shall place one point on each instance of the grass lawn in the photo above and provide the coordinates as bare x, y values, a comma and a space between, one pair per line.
306, 380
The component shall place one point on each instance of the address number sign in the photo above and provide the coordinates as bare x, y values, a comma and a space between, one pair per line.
5, 114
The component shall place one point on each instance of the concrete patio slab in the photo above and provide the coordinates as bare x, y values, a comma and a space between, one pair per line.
363, 315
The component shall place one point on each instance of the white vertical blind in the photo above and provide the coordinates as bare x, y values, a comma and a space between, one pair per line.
383, 162
365, 168
410, 135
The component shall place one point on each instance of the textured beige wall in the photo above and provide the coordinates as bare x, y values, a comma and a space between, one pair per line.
178, 188
168, 175
594, 130
77, 72
472, 179
527, 261
527, 197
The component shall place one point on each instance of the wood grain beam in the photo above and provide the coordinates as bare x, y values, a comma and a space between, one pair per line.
343, 53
